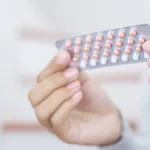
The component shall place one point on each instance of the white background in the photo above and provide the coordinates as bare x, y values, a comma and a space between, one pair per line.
19, 58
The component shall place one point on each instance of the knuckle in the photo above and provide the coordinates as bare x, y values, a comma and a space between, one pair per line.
64, 137
59, 78
38, 79
31, 95
55, 121
64, 93
41, 114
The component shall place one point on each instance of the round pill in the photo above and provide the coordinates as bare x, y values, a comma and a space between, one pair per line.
135, 56
89, 39
108, 45
68, 44
116, 52
127, 51
141, 40
86, 48
138, 48
85, 57
121, 34
75, 59
77, 50
97, 47
78, 41
133, 32
114, 59
93, 62
130, 41
118, 43
103, 60
110, 37
83, 64
106, 53
95, 56
99, 38
146, 55
125, 57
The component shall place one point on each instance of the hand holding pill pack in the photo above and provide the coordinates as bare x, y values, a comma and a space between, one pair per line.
107, 48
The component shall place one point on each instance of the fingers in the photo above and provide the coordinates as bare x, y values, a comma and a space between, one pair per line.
61, 115
148, 63
83, 77
50, 84
48, 107
146, 47
58, 63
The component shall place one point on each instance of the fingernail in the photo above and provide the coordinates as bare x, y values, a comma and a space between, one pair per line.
77, 96
62, 57
146, 46
71, 72
75, 86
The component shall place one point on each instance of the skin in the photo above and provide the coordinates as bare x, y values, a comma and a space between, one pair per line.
73, 106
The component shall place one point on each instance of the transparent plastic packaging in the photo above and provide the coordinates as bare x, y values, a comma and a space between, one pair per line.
107, 48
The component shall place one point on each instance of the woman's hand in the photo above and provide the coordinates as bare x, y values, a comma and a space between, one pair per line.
146, 47
73, 106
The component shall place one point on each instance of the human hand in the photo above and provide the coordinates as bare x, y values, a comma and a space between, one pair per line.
146, 48
73, 106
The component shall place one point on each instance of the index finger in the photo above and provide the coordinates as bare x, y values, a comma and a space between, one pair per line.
58, 63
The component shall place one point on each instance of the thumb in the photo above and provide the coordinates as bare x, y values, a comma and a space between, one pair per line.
146, 47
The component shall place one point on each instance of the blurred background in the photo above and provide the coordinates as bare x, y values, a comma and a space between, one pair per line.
28, 31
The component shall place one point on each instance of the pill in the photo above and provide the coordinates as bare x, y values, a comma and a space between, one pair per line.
77, 50
78, 41
106, 53
127, 51
116, 52
95, 55
138, 48
83, 64
125, 57
133, 32
119, 43
75, 59
110, 36
86, 48
93, 62
121, 34
141, 40
114, 59
85, 57
135, 56
68, 43
89, 39
108, 45
146, 55
97, 46
130, 41
103, 60
99, 38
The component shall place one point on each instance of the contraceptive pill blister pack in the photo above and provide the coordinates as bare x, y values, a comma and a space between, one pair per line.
107, 48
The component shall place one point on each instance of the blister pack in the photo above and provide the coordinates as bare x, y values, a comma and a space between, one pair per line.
107, 48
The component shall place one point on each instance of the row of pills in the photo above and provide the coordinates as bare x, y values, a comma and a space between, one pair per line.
119, 42
95, 59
